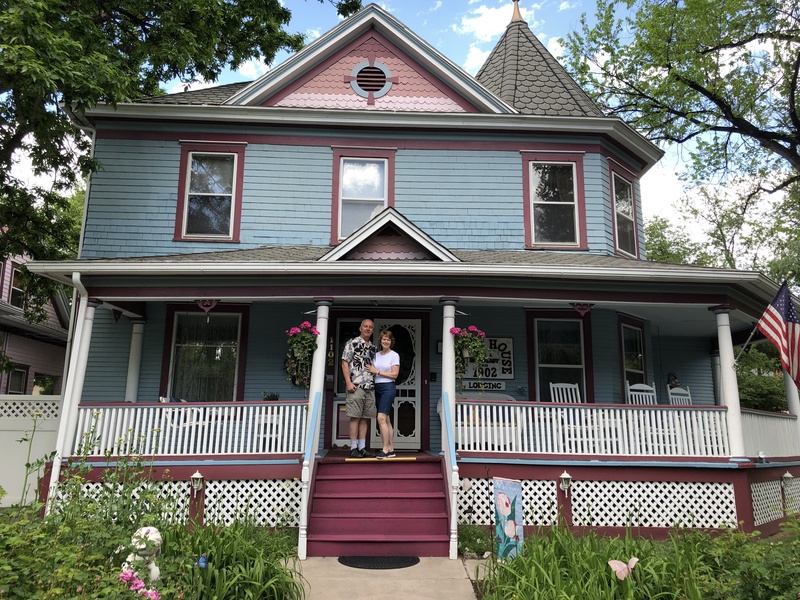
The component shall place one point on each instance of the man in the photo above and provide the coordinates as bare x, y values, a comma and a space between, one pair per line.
357, 356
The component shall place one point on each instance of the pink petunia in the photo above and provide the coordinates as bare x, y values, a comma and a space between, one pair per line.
503, 504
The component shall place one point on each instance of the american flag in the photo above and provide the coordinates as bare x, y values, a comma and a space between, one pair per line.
780, 325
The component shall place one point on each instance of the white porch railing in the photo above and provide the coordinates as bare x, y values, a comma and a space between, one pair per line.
774, 434
185, 429
621, 430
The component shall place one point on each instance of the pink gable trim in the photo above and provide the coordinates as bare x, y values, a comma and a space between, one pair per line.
328, 86
388, 244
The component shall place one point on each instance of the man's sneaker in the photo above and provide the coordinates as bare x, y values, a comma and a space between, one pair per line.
381, 455
364, 453
391, 454
355, 453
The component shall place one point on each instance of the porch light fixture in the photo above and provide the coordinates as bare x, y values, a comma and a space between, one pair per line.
566, 482
786, 478
197, 482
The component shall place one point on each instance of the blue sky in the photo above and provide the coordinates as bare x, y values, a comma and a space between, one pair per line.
463, 30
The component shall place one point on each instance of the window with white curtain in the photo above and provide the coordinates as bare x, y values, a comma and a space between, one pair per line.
205, 353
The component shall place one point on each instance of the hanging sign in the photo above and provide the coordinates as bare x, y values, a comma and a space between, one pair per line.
499, 364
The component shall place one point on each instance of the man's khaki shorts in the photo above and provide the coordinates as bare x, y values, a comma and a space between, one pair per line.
361, 404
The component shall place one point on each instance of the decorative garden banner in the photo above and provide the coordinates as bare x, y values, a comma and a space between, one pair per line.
507, 516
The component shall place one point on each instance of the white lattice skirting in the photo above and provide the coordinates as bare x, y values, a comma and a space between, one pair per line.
612, 504
269, 502
261, 502
768, 500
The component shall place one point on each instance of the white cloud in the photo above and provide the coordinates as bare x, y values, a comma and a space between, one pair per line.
253, 69
565, 6
554, 47
312, 34
475, 59
486, 24
433, 8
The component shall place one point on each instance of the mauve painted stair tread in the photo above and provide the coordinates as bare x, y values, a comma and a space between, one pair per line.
359, 494
416, 515
394, 476
378, 537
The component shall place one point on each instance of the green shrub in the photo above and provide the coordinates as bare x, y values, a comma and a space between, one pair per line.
475, 540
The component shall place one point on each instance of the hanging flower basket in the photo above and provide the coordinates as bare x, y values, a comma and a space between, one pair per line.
469, 348
302, 343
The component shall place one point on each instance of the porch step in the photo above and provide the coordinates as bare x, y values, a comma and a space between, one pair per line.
361, 508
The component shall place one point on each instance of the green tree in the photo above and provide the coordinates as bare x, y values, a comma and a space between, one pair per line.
719, 77
63, 56
758, 372
665, 242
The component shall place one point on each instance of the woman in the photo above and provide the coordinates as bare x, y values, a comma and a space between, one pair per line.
385, 367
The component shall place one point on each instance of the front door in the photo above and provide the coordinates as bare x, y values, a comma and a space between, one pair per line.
407, 405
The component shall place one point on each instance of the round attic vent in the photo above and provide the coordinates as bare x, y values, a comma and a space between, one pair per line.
370, 79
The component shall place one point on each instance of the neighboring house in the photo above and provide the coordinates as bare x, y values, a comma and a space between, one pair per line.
37, 350
369, 176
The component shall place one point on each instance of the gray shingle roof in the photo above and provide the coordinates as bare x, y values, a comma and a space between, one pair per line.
311, 254
212, 95
523, 73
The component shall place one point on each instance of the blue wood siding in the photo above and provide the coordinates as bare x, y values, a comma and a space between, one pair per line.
464, 199
108, 359
690, 360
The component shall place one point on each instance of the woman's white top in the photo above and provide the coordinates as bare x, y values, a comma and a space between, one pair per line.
384, 363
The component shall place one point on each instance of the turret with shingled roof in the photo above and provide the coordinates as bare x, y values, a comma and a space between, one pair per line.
525, 75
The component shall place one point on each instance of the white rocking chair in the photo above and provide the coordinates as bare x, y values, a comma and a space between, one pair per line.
565, 392
640, 393
679, 396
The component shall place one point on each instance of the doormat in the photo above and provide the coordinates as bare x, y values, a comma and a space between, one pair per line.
379, 562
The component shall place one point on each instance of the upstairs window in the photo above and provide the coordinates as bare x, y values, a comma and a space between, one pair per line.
624, 212
17, 296
554, 206
18, 380
209, 197
363, 187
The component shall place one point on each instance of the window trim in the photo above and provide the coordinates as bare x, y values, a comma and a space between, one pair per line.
387, 154
187, 149
531, 317
26, 374
169, 339
632, 323
528, 159
616, 172
15, 266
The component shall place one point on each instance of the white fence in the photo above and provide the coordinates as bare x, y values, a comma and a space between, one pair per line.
620, 430
17, 414
774, 434
187, 429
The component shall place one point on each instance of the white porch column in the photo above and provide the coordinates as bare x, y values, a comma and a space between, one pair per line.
715, 378
729, 388
792, 397
134, 362
448, 352
317, 382
72, 392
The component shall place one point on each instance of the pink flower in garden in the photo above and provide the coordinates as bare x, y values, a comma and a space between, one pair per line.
79, 589
305, 325
481, 335
151, 594
503, 504
294, 331
621, 570
136, 584
455, 330
473, 329
510, 529
127, 576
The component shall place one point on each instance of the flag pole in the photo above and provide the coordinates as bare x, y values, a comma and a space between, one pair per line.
752, 333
